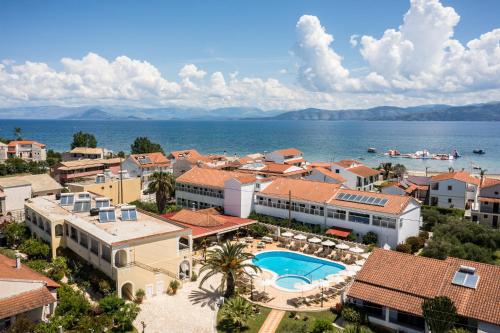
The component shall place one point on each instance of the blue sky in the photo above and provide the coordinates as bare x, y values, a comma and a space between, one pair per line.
257, 39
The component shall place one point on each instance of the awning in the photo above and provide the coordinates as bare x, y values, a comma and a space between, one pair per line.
339, 232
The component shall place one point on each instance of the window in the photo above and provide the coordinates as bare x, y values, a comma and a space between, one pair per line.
106, 215
82, 205
384, 222
83, 240
129, 214
94, 246
74, 234
337, 171
450, 187
359, 218
435, 186
100, 179
449, 200
59, 230
337, 214
106, 252
67, 199
84, 195
100, 202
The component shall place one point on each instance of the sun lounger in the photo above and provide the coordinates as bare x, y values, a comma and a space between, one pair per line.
318, 251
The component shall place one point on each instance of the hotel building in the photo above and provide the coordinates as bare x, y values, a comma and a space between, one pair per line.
27, 150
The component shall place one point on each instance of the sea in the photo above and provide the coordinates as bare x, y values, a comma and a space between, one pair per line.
319, 140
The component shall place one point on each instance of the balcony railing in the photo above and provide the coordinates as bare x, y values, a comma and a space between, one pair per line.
294, 208
201, 192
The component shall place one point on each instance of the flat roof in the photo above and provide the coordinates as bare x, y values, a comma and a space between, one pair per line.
91, 180
42, 182
13, 181
109, 232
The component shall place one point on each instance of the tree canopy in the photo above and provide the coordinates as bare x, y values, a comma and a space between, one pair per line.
440, 314
142, 145
82, 139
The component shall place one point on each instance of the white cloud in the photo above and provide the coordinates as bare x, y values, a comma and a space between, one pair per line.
418, 62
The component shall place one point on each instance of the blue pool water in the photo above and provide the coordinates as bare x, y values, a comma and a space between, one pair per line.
302, 268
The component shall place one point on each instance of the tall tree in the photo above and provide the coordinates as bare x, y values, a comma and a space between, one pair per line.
440, 314
163, 185
17, 133
142, 145
230, 260
82, 139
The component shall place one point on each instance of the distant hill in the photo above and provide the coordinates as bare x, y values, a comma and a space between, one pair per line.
91, 114
474, 112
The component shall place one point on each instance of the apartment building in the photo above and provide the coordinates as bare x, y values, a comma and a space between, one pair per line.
392, 286
3, 151
290, 156
357, 175
67, 171
136, 249
144, 165
228, 191
27, 150
271, 169
393, 218
324, 175
119, 189
453, 190
79, 153
487, 209
24, 292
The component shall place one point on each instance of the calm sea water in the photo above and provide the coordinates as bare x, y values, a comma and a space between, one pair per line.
319, 140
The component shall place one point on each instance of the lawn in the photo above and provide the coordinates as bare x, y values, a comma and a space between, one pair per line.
253, 326
289, 325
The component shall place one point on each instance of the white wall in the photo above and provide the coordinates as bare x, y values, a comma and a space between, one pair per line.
318, 176
238, 198
16, 196
409, 222
487, 327
457, 194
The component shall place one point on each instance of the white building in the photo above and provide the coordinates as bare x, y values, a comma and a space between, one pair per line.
79, 153
27, 150
326, 176
358, 176
289, 156
393, 218
454, 190
3, 151
487, 209
144, 165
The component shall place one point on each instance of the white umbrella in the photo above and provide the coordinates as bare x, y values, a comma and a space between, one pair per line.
347, 273
314, 240
360, 262
300, 237
250, 271
302, 287
287, 234
356, 249
336, 278
353, 268
342, 246
328, 243
366, 255
215, 247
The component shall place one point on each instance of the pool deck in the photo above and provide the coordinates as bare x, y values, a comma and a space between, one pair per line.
279, 298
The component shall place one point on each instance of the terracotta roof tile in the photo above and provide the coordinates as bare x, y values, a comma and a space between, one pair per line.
402, 281
488, 182
182, 154
288, 151
395, 203
363, 171
301, 189
331, 174
209, 177
462, 176
25, 301
25, 142
8, 270
157, 159
346, 163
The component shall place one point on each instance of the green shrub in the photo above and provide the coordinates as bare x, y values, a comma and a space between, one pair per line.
174, 285
194, 276
139, 295
35, 249
15, 233
423, 234
370, 238
415, 243
403, 247
351, 314
58, 268
295, 326
39, 265
322, 326
258, 230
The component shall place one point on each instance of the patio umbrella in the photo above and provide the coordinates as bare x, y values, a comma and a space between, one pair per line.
328, 243
360, 262
366, 255
356, 249
300, 237
347, 273
302, 287
314, 240
342, 246
215, 247
287, 234
250, 271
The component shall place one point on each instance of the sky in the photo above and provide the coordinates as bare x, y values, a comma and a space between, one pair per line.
283, 54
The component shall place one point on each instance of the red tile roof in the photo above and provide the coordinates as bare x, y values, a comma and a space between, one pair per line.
363, 171
211, 177
403, 281
301, 189
157, 159
25, 142
288, 151
346, 163
331, 174
183, 154
8, 270
488, 182
295, 160
462, 176
25, 301
395, 204
207, 222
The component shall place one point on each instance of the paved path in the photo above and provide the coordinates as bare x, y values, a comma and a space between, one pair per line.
272, 321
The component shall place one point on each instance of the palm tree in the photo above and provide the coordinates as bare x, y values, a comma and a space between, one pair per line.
237, 311
17, 133
482, 173
230, 260
163, 185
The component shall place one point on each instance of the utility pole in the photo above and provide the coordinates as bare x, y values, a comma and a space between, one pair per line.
121, 181
289, 208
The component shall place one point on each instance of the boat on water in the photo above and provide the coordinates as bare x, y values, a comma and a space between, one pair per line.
443, 157
479, 151
371, 150
393, 153
424, 155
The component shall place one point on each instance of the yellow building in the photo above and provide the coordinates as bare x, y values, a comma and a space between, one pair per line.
136, 249
109, 187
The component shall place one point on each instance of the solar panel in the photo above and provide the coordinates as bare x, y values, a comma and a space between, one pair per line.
469, 279
67, 200
365, 199
144, 160
459, 278
129, 214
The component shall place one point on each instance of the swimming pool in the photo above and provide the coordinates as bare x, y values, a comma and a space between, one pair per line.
293, 269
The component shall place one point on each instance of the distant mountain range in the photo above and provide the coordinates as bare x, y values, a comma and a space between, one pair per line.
473, 112
436, 112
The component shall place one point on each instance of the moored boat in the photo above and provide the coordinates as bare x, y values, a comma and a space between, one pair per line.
479, 151
371, 150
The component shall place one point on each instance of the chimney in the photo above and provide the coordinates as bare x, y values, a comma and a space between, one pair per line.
18, 261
